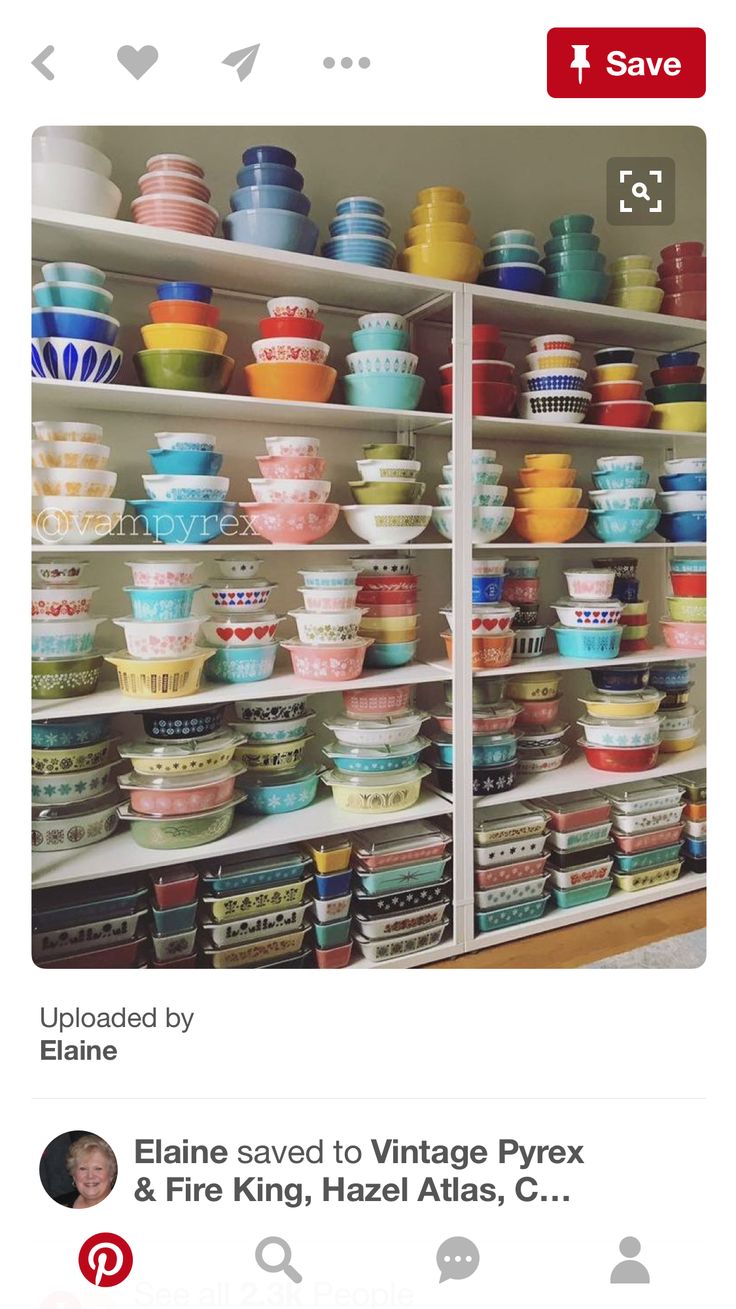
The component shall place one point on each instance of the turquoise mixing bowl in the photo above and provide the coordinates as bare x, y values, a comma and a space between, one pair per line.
383, 391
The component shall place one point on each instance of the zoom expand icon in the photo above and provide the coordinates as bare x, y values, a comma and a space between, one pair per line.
105, 1259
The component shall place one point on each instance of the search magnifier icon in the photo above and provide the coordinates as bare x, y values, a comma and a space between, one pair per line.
282, 1264
639, 191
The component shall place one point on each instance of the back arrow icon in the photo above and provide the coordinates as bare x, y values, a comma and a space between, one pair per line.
40, 64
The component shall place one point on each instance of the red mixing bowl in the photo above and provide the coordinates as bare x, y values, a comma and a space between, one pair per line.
487, 350
680, 267
484, 370
674, 376
688, 304
685, 282
308, 329
610, 759
490, 399
682, 250
689, 583
621, 413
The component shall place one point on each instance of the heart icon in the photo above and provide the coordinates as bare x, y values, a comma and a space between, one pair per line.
224, 632
243, 633
137, 62
260, 632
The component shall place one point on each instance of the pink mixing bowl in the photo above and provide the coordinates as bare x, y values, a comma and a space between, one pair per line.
294, 467
291, 524
328, 663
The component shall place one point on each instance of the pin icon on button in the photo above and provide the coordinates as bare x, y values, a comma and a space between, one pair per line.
105, 1259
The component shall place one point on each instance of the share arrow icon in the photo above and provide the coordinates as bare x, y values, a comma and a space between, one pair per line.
243, 60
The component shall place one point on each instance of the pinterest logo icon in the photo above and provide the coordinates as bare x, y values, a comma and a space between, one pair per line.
105, 1259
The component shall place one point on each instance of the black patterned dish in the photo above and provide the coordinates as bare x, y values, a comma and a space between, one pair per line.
183, 724
564, 859
394, 902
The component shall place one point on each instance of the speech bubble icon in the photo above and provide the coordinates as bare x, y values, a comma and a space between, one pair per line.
457, 1258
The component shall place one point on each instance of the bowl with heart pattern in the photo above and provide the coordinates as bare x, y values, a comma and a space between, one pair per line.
233, 633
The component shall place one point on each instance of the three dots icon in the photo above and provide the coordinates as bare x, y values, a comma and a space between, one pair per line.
346, 62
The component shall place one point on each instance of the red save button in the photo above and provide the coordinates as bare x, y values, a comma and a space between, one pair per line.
625, 62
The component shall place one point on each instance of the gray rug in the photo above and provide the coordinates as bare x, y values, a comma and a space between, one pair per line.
686, 951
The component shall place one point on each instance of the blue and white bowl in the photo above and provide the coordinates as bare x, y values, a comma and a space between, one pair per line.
171, 487
387, 759
621, 480
375, 251
66, 733
244, 663
79, 324
641, 497
553, 379
185, 441
359, 225
192, 522
63, 638
61, 359
161, 604
359, 204
282, 793
623, 526
190, 463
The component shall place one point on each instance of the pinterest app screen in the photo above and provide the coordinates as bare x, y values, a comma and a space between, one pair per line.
364, 953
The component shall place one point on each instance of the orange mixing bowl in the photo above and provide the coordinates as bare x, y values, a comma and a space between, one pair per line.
314, 382
556, 525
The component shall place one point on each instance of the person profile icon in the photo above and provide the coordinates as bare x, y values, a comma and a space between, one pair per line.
630, 1270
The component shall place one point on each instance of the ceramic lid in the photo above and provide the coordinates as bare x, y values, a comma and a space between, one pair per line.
329, 844
622, 697
528, 738
668, 792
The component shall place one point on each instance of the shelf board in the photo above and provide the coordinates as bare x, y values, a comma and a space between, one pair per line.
579, 776
592, 434
57, 399
532, 315
119, 853
554, 663
616, 902
109, 699
590, 543
159, 254
245, 545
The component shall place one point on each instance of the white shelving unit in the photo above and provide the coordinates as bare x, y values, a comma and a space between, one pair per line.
137, 258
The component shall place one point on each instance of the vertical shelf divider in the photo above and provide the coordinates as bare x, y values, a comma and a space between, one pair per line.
462, 556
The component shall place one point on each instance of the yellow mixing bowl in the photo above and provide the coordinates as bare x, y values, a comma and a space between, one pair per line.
614, 373
548, 497
440, 213
537, 686
404, 623
183, 336
458, 261
549, 525
432, 195
633, 277
626, 262
428, 233
646, 299
547, 461
688, 416
677, 745
537, 477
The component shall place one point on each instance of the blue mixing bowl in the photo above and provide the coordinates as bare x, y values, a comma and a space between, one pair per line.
679, 359
66, 733
283, 794
588, 642
360, 225
547, 380
688, 525
514, 277
384, 338
269, 154
81, 324
59, 359
683, 482
623, 526
184, 291
277, 229
614, 354
198, 463
359, 204
161, 604
487, 590
185, 522
375, 251
270, 197
246, 663
383, 390
623, 479
68, 295
390, 654
270, 175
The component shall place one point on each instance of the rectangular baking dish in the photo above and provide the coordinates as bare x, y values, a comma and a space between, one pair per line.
570, 897
224, 909
402, 878
576, 809
650, 877
180, 945
89, 936
564, 860
129, 954
509, 852
510, 893
511, 915
56, 911
644, 797
632, 824
639, 841
567, 878
175, 886
402, 843
377, 929
394, 902
505, 874
257, 952
330, 854
394, 947
328, 911
580, 838
238, 874
695, 787
698, 831
636, 863
510, 822
256, 928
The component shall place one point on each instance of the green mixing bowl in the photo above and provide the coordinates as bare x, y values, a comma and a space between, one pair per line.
677, 393
567, 223
184, 370
387, 493
583, 284
573, 260
62, 679
388, 451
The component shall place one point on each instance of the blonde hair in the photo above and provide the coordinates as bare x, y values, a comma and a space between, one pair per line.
85, 1145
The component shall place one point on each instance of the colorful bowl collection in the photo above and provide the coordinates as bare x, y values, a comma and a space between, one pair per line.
554, 385
173, 195
359, 233
491, 517
73, 502
290, 504
547, 505
623, 509
684, 628
647, 833
269, 207
290, 354
387, 593
70, 172
329, 645
183, 347
678, 395
634, 285
617, 391
574, 267
512, 262
494, 387
64, 661
440, 242
684, 500
682, 277
73, 333
183, 506
381, 369
510, 866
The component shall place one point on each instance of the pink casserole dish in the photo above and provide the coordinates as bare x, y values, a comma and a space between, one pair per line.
647, 840
508, 873
577, 809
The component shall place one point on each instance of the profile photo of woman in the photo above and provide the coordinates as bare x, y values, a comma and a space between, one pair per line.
78, 1170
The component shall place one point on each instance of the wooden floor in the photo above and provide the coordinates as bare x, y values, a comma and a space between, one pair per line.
587, 943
